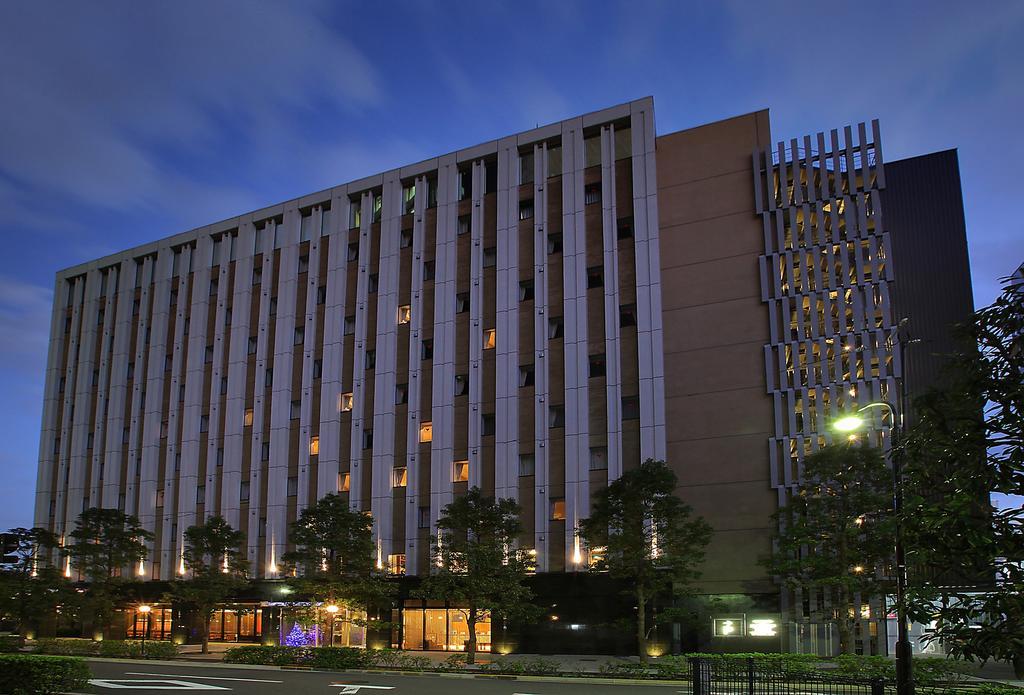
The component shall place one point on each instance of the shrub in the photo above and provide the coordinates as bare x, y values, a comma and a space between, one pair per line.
624, 669
926, 669
161, 650
262, 655
392, 658
455, 662
539, 666
671, 667
30, 674
11, 643
68, 646
995, 689
338, 658
789, 664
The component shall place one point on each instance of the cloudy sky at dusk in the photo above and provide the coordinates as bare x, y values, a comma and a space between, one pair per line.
126, 121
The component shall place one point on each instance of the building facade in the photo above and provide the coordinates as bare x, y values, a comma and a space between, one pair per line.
533, 316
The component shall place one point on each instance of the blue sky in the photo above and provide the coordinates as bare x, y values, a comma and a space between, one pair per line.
127, 121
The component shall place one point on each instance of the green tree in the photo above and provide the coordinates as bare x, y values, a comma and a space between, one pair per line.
334, 556
967, 443
29, 588
642, 533
104, 543
216, 569
836, 534
476, 566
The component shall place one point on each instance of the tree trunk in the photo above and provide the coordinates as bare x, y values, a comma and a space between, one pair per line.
1018, 666
843, 622
206, 633
471, 644
641, 624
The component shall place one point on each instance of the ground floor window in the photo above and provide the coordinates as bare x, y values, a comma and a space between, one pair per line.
241, 624
156, 624
440, 629
304, 624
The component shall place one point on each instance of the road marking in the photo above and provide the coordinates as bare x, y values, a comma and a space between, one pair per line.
145, 684
350, 689
208, 678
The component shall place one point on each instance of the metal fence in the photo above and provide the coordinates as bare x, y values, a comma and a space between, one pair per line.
750, 677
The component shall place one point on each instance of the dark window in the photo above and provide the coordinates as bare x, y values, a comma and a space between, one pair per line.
273, 306
624, 228
487, 425
526, 290
525, 375
213, 286
627, 315
371, 359
464, 224
423, 517
401, 394
372, 282
321, 294
525, 209
350, 325
405, 241
465, 184
243, 491
554, 243
293, 486
208, 357
201, 494
304, 263
527, 464
257, 276
462, 302
265, 452
318, 368
490, 257
461, 384
592, 193
526, 167
353, 251
595, 277
367, 439
204, 423
597, 366
268, 377
300, 335
631, 408
598, 458
427, 350
555, 327
252, 344
174, 297
296, 410
556, 416
223, 386
428, 271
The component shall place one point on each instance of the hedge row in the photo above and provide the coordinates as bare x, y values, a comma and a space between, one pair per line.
317, 657
114, 649
31, 674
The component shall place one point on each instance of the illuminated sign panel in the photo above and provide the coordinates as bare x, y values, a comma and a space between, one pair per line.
728, 627
741, 626
763, 627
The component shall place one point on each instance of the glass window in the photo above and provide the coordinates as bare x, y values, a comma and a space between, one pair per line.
527, 464
558, 509
396, 564
460, 471
404, 314
345, 402
592, 194
399, 476
401, 394
462, 302
631, 408
554, 243
405, 239
627, 315
555, 327
597, 365
314, 446
247, 417
344, 480
526, 375
490, 257
489, 338
526, 209
598, 458
426, 432
526, 290
595, 277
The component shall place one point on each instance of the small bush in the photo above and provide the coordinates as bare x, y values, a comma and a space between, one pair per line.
995, 689
31, 674
926, 669
68, 646
338, 658
392, 658
11, 643
624, 669
789, 664
263, 655
671, 667
455, 662
539, 666
161, 650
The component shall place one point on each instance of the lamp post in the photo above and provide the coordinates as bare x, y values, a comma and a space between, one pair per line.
332, 610
145, 610
904, 652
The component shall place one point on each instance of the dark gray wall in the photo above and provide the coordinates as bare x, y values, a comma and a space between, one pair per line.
924, 212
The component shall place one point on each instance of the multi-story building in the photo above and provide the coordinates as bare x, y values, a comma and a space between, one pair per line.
533, 315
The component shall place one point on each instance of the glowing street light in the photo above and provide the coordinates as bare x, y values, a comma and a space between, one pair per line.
145, 609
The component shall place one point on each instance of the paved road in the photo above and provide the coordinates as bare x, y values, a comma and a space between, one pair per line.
140, 678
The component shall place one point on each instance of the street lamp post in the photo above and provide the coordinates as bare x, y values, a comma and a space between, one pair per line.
332, 610
145, 610
904, 652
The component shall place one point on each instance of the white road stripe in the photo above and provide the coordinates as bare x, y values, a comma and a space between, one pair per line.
209, 678
140, 684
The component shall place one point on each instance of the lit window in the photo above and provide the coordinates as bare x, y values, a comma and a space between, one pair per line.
426, 432
344, 479
558, 509
399, 476
314, 446
597, 554
247, 418
345, 402
404, 313
460, 471
489, 337
396, 564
